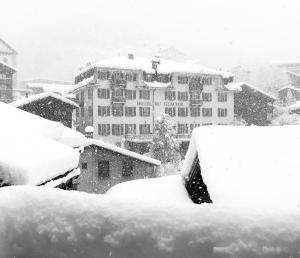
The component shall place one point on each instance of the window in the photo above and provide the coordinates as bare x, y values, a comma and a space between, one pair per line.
135, 77
183, 128
90, 93
144, 128
144, 111
127, 168
195, 95
130, 94
170, 95
104, 129
129, 77
183, 112
207, 80
103, 110
77, 97
117, 110
207, 112
103, 168
145, 94
206, 96
183, 80
130, 129
77, 112
103, 75
117, 129
103, 93
82, 111
164, 78
130, 111
192, 126
82, 97
90, 111
195, 111
84, 165
171, 111
222, 112
222, 97
182, 96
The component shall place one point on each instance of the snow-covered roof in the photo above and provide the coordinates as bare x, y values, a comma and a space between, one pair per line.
33, 149
46, 222
238, 86
248, 164
289, 87
9, 66
51, 87
145, 64
122, 151
36, 97
294, 107
82, 83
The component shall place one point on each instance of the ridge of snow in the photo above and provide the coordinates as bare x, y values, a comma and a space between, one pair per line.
289, 87
9, 66
122, 151
36, 97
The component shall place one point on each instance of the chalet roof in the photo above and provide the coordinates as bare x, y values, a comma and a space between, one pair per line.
36, 97
247, 164
289, 87
238, 86
122, 151
8, 66
8, 46
40, 151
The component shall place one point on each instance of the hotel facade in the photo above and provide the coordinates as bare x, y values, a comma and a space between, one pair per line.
123, 96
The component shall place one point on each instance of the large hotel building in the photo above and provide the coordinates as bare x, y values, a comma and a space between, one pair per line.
122, 97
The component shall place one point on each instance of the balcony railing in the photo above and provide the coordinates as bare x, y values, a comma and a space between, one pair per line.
196, 102
118, 83
139, 138
118, 99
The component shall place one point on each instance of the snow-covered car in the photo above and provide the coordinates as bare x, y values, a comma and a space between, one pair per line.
251, 175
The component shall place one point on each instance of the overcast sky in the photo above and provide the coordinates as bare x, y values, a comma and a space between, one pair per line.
54, 37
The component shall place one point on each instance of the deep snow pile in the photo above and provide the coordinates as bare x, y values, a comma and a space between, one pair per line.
34, 150
252, 165
46, 222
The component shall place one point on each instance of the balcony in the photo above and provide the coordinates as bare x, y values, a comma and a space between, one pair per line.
118, 83
195, 86
196, 102
118, 99
139, 138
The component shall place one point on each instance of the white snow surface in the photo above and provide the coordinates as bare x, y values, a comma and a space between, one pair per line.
51, 87
47, 222
167, 189
251, 165
145, 64
32, 98
34, 150
122, 151
159, 85
237, 86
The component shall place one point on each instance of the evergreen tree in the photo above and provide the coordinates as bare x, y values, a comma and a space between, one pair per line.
165, 146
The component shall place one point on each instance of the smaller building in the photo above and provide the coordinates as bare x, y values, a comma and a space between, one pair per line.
104, 165
252, 104
50, 106
289, 95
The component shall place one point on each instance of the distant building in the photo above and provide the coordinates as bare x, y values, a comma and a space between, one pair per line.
104, 165
252, 104
40, 85
121, 98
289, 95
50, 106
292, 69
8, 71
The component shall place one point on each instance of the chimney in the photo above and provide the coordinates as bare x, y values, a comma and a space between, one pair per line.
130, 55
155, 62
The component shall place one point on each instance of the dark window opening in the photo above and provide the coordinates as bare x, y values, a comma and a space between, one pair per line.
84, 165
195, 185
127, 168
103, 169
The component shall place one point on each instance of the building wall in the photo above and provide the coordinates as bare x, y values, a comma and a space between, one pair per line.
157, 104
6, 84
90, 182
51, 109
289, 96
